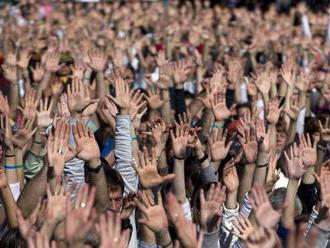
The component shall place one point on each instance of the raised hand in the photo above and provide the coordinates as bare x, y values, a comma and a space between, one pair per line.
262, 238
43, 115
294, 109
235, 71
219, 107
136, 103
308, 150
185, 229
78, 69
109, 228
62, 105
78, 96
272, 174
30, 104
26, 226
148, 172
39, 240
325, 130
51, 61
217, 143
98, 60
263, 137
4, 105
159, 132
56, 202
243, 227
24, 58
24, 133
154, 98
10, 72
323, 218
264, 212
230, 177
122, 99
249, 144
56, 87
80, 218
263, 81
180, 73
180, 140
211, 206
295, 165
288, 73
37, 73
6, 128
274, 110
57, 146
154, 215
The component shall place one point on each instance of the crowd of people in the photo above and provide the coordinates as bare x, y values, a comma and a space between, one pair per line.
164, 124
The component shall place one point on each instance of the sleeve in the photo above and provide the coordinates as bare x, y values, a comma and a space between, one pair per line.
246, 207
211, 240
145, 245
208, 175
226, 225
322, 237
124, 154
308, 195
33, 164
187, 210
180, 104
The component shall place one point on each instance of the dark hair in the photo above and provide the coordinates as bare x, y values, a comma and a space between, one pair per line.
113, 177
12, 239
243, 105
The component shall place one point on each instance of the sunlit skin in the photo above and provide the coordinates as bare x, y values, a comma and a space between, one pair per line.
116, 199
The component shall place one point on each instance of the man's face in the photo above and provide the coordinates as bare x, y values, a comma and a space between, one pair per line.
280, 141
116, 198
244, 111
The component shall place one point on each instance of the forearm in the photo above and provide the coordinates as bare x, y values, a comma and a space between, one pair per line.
87, 76
308, 177
147, 236
100, 85
164, 239
39, 142
289, 213
261, 168
231, 200
13, 99
102, 200
124, 153
9, 206
19, 166
320, 158
179, 181
208, 119
292, 131
43, 84
166, 107
48, 227
10, 168
33, 191
246, 181
195, 106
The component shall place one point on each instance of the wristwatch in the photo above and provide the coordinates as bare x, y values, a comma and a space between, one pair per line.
96, 169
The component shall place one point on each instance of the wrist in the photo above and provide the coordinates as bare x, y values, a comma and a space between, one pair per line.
124, 111
94, 163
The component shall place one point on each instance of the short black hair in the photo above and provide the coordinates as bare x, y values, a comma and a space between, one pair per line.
113, 177
12, 238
